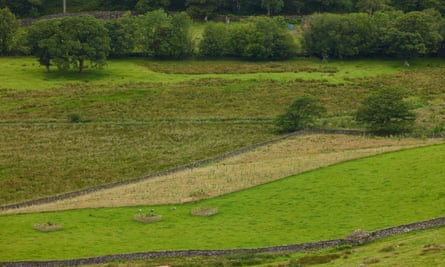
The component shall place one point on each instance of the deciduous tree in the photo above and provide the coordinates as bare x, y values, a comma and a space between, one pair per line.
272, 6
8, 28
385, 112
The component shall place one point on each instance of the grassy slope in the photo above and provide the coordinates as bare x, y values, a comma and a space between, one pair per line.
144, 116
323, 204
423, 248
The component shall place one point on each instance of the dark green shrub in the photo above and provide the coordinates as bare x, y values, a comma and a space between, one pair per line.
300, 114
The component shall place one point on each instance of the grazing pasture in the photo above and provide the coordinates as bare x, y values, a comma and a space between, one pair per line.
370, 193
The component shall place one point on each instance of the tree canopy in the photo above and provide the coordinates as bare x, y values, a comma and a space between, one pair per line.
385, 112
70, 42
8, 28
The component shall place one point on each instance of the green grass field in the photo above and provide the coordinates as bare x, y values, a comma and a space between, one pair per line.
370, 193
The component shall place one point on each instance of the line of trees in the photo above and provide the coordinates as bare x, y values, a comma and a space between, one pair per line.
207, 8
71, 41
393, 34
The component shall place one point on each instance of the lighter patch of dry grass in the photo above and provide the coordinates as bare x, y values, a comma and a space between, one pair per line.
264, 164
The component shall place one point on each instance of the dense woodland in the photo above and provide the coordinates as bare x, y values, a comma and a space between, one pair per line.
202, 8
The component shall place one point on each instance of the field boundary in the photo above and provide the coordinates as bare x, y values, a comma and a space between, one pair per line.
352, 240
188, 166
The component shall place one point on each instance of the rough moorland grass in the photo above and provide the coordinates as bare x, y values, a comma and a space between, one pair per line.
44, 159
331, 202
264, 164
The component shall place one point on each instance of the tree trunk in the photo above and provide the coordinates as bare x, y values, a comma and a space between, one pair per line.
64, 6
80, 66
46, 68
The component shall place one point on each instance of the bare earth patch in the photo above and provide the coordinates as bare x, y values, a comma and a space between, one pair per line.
264, 164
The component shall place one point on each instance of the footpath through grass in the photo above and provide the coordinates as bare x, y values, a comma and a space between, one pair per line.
369, 194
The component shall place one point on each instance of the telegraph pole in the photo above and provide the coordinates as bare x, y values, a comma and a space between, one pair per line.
64, 6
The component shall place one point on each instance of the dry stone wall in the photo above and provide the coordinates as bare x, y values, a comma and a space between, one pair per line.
363, 239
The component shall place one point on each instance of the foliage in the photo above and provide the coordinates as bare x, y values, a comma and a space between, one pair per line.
84, 38
272, 6
260, 38
214, 40
121, 32
144, 6
300, 114
70, 41
162, 35
385, 112
415, 33
338, 36
43, 40
202, 8
382, 34
8, 28
372, 6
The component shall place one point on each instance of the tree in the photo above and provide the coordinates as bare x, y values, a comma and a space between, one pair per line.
202, 8
300, 114
272, 6
414, 34
384, 112
82, 38
339, 36
43, 39
214, 40
260, 38
161, 35
121, 32
70, 41
150, 5
371, 6
8, 28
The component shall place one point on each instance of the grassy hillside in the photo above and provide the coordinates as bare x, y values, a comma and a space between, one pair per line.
139, 116
371, 193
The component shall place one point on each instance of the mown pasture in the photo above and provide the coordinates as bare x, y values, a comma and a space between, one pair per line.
139, 116
370, 193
